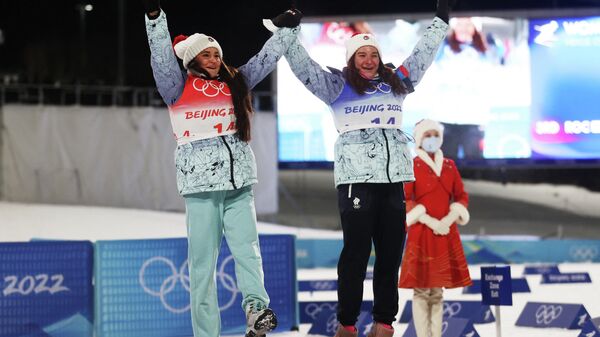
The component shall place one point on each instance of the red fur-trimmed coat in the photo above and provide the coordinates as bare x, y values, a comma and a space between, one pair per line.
437, 198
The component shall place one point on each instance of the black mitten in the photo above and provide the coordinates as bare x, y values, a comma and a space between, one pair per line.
152, 8
290, 19
443, 9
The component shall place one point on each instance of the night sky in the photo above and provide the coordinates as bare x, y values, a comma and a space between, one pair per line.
43, 39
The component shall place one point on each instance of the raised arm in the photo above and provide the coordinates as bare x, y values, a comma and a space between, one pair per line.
263, 63
426, 49
285, 28
167, 74
325, 85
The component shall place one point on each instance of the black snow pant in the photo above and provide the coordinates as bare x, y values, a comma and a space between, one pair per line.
371, 214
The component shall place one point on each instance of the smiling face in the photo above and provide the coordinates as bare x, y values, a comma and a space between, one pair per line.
366, 61
210, 60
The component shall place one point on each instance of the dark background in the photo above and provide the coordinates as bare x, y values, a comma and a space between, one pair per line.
49, 42
45, 41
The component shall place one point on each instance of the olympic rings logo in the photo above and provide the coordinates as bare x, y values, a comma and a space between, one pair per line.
582, 320
451, 309
546, 314
210, 89
585, 253
322, 285
332, 324
445, 325
488, 315
382, 86
179, 276
168, 284
313, 309
228, 282
470, 334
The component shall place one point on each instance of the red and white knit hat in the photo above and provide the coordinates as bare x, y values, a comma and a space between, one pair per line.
187, 47
425, 125
360, 40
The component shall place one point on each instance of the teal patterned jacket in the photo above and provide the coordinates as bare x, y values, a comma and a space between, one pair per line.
219, 163
370, 155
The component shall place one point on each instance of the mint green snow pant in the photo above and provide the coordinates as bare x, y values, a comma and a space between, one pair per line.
209, 216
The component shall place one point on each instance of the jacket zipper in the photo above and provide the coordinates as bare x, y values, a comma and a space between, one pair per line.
387, 147
232, 180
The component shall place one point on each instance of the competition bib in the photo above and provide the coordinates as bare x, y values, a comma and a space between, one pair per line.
377, 108
204, 110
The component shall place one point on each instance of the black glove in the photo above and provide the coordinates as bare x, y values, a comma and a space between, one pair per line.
443, 9
152, 8
290, 18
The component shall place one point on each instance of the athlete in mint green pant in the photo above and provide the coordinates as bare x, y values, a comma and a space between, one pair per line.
214, 164
210, 215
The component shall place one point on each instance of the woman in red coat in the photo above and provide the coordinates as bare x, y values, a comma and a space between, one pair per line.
434, 257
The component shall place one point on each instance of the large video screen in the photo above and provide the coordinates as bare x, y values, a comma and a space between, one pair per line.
503, 88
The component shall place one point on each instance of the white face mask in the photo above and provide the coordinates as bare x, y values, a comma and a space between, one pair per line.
431, 144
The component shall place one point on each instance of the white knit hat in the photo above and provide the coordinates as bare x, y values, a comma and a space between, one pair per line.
187, 47
425, 125
360, 40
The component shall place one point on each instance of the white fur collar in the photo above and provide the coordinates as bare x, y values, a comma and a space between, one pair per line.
436, 164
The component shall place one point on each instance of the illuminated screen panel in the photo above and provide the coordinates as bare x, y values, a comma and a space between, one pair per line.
480, 86
565, 109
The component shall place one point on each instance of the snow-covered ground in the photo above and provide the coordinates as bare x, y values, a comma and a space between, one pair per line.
22, 222
568, 198
587, 294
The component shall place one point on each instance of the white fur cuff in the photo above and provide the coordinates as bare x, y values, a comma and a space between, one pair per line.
463, 213
450, 218
413, 216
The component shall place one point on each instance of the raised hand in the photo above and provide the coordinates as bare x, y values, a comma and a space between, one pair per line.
152, 8
290, 18
443, 9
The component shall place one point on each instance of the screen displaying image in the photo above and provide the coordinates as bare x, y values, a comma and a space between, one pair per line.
565, 109
503, 88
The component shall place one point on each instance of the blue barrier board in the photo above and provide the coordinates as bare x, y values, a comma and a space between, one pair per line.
591, 328
541, 269
142, 287
46, 289
451, 327
310, 310
553, 315
326, 324
474, 311
317, 253
317, 285
566, 278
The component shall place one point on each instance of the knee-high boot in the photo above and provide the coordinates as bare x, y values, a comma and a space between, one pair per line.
421, 312
436, 305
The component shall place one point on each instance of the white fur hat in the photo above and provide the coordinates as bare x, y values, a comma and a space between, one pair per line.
187, 47
360, 40
425, 125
